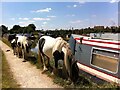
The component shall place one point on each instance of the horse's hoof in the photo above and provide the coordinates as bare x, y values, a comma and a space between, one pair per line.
52, 73
44, 71
68, 82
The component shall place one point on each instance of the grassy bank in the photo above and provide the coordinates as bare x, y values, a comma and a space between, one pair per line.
83, 81
6, 41
8, 80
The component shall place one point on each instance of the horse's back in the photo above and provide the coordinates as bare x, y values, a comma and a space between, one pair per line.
22, 41
49, 43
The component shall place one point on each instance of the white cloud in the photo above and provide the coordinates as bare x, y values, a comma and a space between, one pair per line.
76, 21
113, 1
43, 10
41, 19
25, 23
74, 5
51, 16
23, 18
44, 23
78, 4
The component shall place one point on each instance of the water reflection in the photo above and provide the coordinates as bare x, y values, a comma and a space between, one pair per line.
35, 49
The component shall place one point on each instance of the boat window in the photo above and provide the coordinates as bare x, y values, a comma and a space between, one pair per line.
107, 60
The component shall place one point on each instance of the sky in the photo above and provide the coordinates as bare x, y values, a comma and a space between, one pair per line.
59, 15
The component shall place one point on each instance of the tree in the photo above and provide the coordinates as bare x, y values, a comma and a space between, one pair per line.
32, 26
4, 29
15, 29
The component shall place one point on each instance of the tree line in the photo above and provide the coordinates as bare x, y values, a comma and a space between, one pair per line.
18, 29
31, 28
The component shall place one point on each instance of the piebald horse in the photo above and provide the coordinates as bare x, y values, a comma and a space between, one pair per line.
21, 46
54, 48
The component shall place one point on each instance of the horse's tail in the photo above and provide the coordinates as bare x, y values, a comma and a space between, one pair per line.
41, 43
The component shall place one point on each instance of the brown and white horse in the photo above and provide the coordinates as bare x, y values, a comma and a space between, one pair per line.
55, 49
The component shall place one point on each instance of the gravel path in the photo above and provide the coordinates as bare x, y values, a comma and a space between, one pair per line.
26, 74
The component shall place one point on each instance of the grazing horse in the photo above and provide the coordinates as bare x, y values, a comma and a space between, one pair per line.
14, 46
11, 37
57, 49
23, 45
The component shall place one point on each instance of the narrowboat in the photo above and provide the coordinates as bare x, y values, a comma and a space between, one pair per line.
100, 57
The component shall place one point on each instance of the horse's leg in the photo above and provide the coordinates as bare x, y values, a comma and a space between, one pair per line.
14, 50
41, 44
18, 50
57, 56
44, 63
47, 61
40, 61
24, 55
56, 63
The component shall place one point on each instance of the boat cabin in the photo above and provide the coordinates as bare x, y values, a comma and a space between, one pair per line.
98, 57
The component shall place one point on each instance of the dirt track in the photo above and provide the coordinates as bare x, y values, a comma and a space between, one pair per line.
27, 75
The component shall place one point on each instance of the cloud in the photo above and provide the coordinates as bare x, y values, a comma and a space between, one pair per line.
51, 16
113, 1
44, 23
41, 19
75, 5
43, 10
76, 21
25, 23
23, 18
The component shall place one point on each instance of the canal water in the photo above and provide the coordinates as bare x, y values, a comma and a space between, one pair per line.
35, 49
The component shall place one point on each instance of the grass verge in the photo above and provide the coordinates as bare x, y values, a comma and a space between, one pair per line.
6, 42
8, 80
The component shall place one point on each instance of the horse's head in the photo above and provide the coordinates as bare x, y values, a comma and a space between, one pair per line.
70, 63
67, 56
28, 45
66, 46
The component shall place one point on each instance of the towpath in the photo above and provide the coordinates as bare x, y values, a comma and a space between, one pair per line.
26, 74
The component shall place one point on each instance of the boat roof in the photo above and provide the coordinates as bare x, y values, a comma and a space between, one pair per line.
112, 44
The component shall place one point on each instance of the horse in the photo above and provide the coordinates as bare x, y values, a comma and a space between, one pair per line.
14, 46
23, 46
11, 37
57, 49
